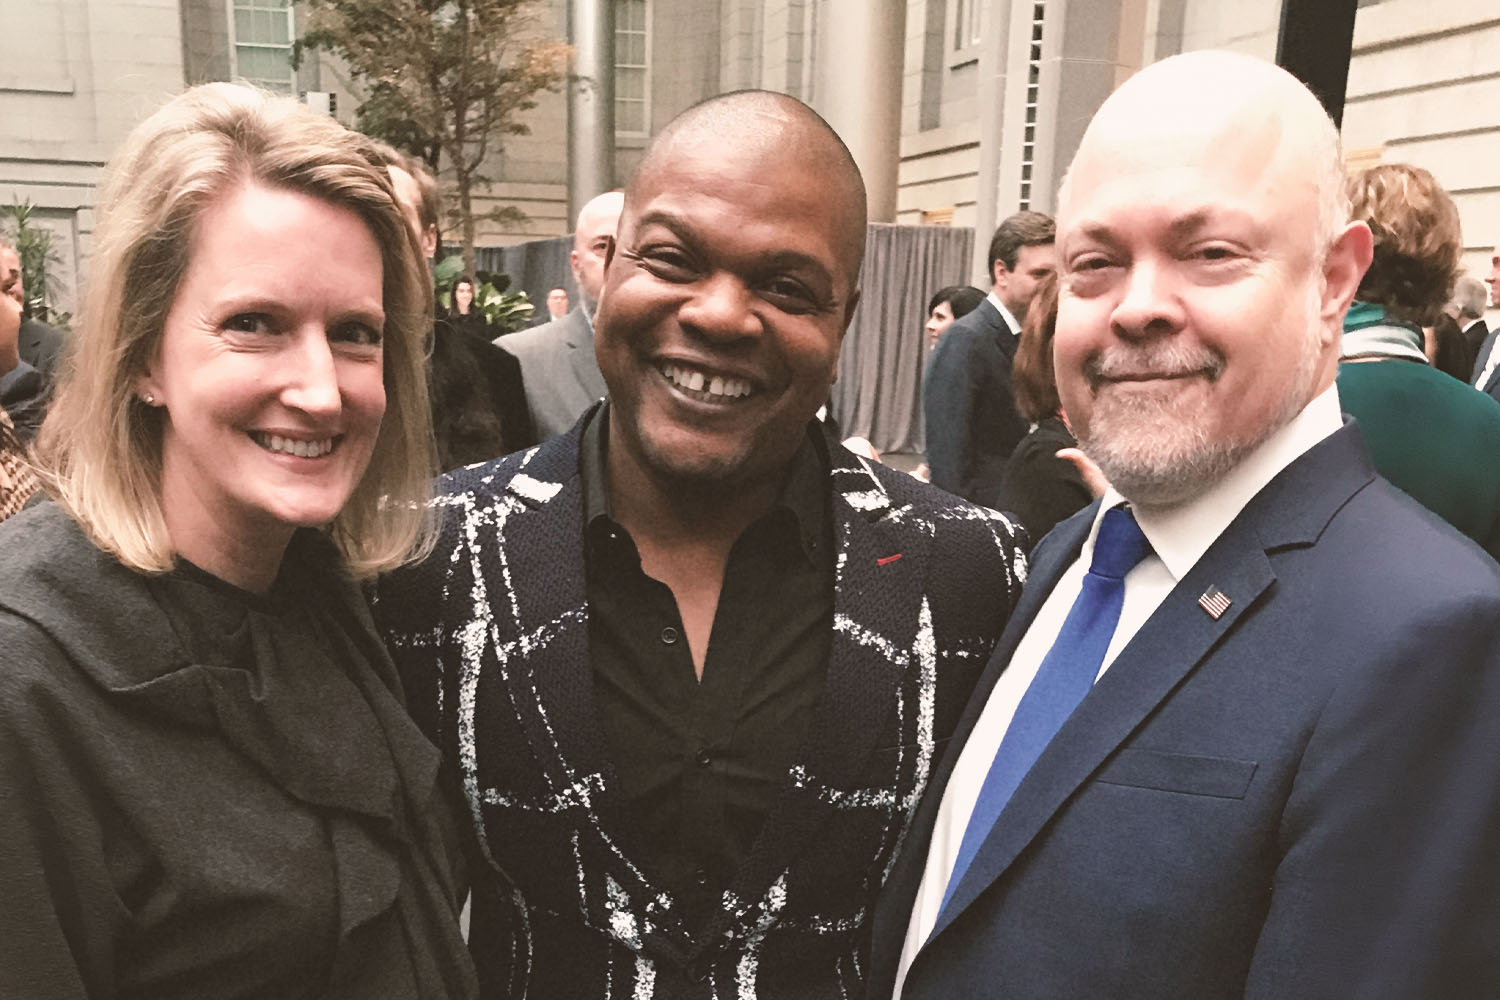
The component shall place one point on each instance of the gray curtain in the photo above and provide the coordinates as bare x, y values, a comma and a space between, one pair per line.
879, 392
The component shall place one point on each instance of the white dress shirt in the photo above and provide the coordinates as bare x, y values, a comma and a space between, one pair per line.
1489, 362
1179, 536
1010, 321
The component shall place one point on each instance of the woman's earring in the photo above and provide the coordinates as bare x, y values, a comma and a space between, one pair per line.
148, 399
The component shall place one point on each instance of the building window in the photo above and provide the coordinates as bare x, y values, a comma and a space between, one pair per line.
967, 24
632, 72
263, 43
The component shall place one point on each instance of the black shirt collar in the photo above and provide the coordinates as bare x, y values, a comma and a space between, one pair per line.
803, 497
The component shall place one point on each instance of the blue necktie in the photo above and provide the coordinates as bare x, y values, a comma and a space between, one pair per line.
1065, 676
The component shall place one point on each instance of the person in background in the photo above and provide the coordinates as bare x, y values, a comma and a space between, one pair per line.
1041, 489
464, 315
558, 366
478, 404
947, 305
1447, 349
692, 660
1431, 435
1487, 361
1467, 309
557, 302
209, 785
40, 345
18, 483
24, 390
968, 409
1239, 740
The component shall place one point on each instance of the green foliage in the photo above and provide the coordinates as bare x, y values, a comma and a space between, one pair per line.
40, 261
446, 80
506, 310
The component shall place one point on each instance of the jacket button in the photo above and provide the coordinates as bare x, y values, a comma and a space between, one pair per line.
703, 757
669, 635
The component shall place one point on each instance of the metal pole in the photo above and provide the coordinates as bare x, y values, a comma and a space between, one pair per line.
591, 102
859, 90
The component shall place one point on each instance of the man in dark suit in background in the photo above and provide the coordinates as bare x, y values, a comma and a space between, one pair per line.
1239, 738
558, 367
1467, 309
967, 403
691, 663
1487, 361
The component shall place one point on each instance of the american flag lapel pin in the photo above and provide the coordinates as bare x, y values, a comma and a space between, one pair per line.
1214, 602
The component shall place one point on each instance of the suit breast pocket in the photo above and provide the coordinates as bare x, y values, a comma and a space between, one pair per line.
1188, 774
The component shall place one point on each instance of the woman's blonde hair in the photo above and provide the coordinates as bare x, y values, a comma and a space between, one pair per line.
100, 449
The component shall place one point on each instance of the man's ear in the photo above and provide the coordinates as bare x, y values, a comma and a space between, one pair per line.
1344, 267
999, 274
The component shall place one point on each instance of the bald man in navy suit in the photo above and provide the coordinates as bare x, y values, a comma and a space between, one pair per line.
1240, 737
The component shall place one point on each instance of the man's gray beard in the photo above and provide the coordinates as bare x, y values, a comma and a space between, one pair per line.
1158, 472
1176, 462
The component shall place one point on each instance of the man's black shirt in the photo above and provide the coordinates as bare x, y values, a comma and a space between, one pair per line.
701, 764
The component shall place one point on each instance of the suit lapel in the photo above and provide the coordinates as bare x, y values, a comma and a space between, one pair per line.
580, 355
541, 640
881, 567
1050, 560
1175, 640
1171, 643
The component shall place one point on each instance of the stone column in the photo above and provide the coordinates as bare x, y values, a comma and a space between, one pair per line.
591, 102
858, 89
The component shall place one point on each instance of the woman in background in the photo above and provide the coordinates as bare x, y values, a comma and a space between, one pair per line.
209, 787
1435, 437
464, 316
948, 305
1040, 488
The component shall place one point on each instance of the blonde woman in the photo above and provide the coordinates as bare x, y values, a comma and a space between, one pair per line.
208, 784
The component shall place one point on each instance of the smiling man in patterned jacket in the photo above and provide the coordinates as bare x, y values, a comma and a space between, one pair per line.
692, 663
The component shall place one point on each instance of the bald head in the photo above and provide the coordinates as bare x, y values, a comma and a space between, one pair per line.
1199, 98
597, 221
751, 124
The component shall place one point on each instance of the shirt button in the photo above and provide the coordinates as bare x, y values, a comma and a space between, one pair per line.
703, 757
669, 635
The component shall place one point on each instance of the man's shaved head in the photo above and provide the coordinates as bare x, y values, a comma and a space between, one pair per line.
763, 122
1237, 92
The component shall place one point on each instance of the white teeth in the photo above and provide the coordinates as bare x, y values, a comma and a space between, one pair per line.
725, 386
293, 446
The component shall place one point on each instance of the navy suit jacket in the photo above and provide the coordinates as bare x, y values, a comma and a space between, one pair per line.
968, 407
491, 637
1296, 799
1492, 384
